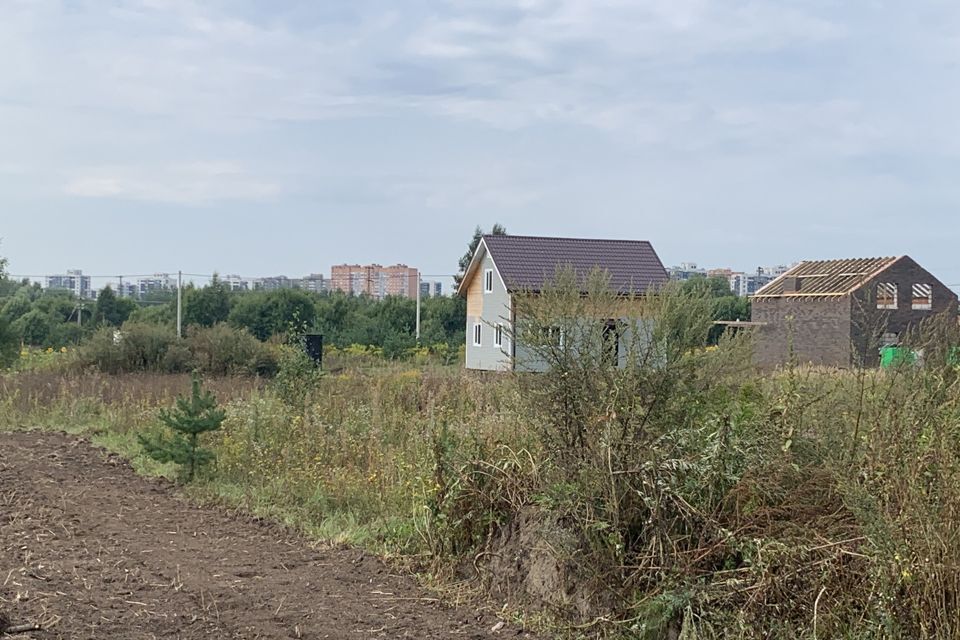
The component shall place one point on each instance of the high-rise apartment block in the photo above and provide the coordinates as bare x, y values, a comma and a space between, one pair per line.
73, 280
315, 282
431, 289
686, 270
157, 283
374, 280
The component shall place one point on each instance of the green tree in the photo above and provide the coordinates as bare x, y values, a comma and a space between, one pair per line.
8, 338
111, 310
712, 287
498, 230
191, 417
9, 351
18, 305
726, 305
207, 306
34, 328
268, 313
443, 320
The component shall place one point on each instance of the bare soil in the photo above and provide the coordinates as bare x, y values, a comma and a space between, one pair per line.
88, 549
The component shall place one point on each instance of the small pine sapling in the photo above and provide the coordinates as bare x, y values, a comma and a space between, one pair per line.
191, 417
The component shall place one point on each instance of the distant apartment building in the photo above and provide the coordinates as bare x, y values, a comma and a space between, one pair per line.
374, 280
431, 289
157, 283
741, 283
274, 283
315, 283
73, 280
235, 282
402, 281
354, 279
747, 284
725, 273
125, 289
686, 270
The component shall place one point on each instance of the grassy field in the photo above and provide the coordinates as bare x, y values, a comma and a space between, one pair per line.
693, 499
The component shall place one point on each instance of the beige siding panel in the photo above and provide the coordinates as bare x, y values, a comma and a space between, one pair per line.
475, 295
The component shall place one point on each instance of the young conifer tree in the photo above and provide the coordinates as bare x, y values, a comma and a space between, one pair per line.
191, 417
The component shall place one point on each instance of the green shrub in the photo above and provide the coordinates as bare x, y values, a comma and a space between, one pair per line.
9, 344
219, 350
223, 350
135, 347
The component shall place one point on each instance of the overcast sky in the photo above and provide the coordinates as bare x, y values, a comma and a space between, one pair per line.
266, 137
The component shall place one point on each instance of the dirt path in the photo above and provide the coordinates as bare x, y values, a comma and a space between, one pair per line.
95, 551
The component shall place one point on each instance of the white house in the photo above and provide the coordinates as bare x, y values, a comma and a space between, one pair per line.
505, 265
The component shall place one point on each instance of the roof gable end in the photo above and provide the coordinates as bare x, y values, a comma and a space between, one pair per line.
475, 261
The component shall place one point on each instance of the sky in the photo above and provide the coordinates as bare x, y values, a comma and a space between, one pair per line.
281, 137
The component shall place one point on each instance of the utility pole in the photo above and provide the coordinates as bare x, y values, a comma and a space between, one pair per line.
179, 304
418, 306
79, 314
120, 291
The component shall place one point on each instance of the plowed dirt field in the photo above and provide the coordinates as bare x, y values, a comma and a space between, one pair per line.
88, 549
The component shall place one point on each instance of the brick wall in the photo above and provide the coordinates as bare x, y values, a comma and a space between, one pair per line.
817, 328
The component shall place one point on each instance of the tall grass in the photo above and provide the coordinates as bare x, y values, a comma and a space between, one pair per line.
683, 496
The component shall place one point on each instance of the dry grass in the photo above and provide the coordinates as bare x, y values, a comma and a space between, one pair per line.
808, 504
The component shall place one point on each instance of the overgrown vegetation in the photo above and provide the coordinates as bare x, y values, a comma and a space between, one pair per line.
679, 495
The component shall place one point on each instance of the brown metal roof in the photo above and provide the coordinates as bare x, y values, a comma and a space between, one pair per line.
825, 277
527, 262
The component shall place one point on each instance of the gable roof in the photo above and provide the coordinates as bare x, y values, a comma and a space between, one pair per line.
527, 262
826, 277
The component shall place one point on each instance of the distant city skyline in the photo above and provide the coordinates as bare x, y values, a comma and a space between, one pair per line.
743, 282
376, 281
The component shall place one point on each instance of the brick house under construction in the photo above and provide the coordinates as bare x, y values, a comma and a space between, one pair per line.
839, 312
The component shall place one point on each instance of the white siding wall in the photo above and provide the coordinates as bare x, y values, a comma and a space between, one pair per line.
496, 310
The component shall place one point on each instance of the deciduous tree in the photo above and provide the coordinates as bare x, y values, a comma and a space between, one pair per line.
207, 306
111, 310
498, 230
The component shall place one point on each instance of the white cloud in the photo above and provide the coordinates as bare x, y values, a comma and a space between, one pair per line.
187, 184
200, 62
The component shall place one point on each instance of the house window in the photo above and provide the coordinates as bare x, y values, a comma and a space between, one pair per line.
887, 295
498, 336
554, 336
476, 335
488, 281
922, 296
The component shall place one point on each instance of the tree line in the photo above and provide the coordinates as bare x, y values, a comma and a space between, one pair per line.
33, 316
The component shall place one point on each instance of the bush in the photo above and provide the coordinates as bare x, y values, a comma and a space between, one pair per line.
297, 375
9, 344
219, 350
222, 350
135, 347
